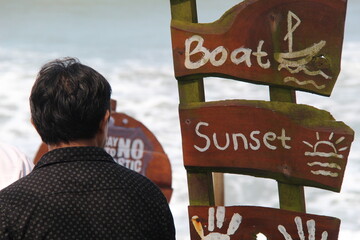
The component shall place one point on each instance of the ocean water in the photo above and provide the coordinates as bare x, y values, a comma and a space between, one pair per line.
129, 43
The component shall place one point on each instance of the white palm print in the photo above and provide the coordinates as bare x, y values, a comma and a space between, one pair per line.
311, 230
220, 216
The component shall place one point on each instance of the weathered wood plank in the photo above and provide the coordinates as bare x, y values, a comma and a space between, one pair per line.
294, 43
288, 142
244, 222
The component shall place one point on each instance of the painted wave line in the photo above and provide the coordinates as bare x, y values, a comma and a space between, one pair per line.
325, 173
305, 70
328, 165
322, 154
293, 79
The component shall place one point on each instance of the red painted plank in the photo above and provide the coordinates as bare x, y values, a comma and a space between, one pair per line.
288, 142
292, 43
245, 222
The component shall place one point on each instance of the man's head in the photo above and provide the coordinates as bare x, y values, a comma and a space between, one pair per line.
68, 101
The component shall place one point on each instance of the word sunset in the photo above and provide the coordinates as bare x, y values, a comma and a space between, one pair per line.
239, 141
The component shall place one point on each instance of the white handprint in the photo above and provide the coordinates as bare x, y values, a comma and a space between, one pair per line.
311, 230
220, 216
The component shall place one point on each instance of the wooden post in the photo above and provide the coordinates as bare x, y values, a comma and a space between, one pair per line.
291, 197
219, 192
200, 185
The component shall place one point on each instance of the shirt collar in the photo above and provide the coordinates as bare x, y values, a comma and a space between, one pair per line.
73, 154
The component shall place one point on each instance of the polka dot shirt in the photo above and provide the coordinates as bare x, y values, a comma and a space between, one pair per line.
81, 193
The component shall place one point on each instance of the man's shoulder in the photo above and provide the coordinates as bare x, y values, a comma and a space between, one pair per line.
134, 183
136, 180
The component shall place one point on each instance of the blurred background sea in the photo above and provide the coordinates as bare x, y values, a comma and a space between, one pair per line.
129, 43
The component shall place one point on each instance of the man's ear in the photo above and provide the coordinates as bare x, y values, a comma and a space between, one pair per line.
104, 121
33, 124
102, 133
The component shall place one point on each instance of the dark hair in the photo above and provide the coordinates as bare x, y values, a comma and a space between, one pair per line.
68, 101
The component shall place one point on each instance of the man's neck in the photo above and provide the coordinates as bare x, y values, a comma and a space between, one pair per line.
77, 143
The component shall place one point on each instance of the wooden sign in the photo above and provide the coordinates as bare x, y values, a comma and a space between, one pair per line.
134, 146
288, 142
294, 43
245, 223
